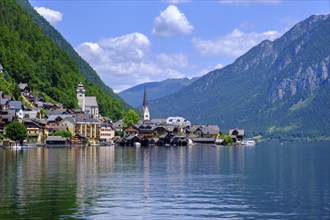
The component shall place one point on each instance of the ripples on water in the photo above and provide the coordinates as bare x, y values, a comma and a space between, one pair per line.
263, 182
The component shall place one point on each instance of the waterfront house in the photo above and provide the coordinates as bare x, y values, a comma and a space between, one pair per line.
237, 135
36, 129
204, 140
205, 131
106, 131
89, 127
57, 141
131, 130
163, 130
146, 130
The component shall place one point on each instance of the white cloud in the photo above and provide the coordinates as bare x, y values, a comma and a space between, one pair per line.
173, 60
247, 2
52, 16
124, 61
219, 66
234, 44
171, 22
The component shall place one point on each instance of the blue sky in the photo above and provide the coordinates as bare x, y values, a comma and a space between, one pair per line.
132, 42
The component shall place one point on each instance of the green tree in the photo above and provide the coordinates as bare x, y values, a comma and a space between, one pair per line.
16, 131
227, 139
131, 117
63, 133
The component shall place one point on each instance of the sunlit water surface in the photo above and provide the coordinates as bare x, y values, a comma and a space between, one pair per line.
268, 181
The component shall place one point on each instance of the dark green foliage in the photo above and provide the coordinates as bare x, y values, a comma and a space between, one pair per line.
131, 117
30, 56
245, 94
63, 133
111, 104
155, 90
16, 131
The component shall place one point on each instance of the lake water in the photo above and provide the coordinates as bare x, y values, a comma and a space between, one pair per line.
268, 181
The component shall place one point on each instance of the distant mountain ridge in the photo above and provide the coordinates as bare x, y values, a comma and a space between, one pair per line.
278, 88
134, 95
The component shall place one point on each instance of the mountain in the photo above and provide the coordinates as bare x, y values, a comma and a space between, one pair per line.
32, 51
278, 88
134, 95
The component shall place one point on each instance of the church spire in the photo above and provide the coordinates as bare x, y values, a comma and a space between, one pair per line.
145, 101
145, 115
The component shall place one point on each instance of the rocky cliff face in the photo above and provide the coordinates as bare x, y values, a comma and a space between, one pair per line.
276, 86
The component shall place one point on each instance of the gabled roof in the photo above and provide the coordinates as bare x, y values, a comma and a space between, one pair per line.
56, 112
22, 86
53, 117
240, 132
206, 129
90, 101
17, 105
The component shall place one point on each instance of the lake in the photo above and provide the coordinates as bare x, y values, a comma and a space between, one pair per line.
267, 181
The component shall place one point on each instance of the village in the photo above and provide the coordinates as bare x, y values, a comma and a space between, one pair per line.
43, 119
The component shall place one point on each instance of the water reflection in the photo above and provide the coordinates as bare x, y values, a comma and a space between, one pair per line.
266, 181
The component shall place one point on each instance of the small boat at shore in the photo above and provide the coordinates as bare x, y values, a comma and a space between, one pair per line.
249, 142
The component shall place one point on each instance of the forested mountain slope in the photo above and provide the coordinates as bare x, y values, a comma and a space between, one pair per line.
29, 55
278, 88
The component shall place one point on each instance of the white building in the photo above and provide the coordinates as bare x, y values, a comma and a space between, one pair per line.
178, 121
88, 104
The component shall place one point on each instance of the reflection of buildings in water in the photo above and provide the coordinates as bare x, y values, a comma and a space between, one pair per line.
146, 172
236, 159
91, 162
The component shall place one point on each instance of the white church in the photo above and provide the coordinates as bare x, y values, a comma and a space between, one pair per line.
88, 104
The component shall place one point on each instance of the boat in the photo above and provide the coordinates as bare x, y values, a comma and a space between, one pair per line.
137, 144
249, 142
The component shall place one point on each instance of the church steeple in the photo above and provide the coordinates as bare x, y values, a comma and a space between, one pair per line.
145, 115
145, 101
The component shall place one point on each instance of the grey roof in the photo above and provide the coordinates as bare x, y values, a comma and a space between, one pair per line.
206, 129
158, 120
53, 117
119, 123
17, 105
90, 101
106, 124
3, 101
22, 86
87, 120
70, 119
241, 132
168, 128
7, 97
56, 112
56, 138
